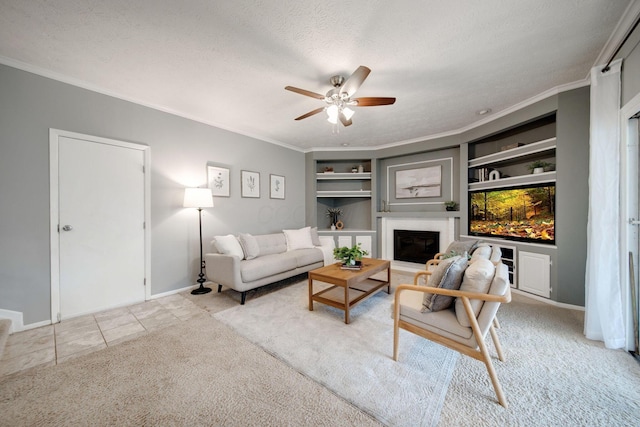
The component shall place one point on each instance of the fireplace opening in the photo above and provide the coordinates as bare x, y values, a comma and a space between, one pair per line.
415, 246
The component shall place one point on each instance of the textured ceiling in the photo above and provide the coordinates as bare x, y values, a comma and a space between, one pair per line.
226, 63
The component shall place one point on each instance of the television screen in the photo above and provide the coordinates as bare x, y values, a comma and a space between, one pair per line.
523, 214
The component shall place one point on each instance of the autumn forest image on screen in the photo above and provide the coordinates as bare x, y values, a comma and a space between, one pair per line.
521, 214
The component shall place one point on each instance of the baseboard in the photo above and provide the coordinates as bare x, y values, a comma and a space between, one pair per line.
177, 291
547, 301
17, 324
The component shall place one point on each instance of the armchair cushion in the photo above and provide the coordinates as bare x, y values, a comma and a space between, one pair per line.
447, 275
477, 278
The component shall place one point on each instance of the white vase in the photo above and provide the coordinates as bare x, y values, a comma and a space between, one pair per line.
333, 227
538, 170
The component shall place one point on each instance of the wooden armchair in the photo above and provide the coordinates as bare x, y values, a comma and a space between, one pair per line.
443, 326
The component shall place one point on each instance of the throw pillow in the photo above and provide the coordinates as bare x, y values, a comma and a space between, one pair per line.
315, 238
249, 245
298, 239
496, 255
229, 245
482, 251
447, 275
477, 278
460, 247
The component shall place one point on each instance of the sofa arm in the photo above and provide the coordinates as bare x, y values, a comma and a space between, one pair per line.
223, 269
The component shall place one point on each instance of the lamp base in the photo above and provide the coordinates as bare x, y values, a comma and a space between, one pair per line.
201, 290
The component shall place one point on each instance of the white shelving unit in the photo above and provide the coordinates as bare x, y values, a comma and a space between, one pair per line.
515, 158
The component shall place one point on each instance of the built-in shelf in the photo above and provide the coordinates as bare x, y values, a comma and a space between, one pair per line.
446, 214
335, 175
344, 193
514, 181
518, 153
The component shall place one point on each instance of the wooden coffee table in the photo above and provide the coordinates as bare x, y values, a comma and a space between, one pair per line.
351, 287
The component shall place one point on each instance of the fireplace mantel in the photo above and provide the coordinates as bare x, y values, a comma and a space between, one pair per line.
445, 225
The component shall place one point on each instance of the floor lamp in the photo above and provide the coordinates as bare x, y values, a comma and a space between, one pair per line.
199, 198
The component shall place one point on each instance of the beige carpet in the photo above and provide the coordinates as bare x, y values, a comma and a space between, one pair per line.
354, 360
195, 374
553, 375
202, 373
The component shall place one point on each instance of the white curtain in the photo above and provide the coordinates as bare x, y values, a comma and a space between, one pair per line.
604, 315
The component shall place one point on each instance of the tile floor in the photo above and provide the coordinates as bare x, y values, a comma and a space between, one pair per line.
52, 344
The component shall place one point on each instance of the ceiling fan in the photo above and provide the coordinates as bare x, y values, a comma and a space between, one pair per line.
339, 99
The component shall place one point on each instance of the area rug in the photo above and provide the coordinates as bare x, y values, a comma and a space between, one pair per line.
354, 360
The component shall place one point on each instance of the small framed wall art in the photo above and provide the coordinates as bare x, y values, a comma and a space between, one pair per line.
276, 187
250, 184
218, 179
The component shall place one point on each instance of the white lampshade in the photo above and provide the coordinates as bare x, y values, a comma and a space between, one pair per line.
348, 112
198, 198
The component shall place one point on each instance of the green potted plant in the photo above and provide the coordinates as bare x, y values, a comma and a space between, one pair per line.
540, 166
451, 205
350, 256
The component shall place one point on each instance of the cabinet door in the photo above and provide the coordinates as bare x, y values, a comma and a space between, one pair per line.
534, 273
365, 243
344, 241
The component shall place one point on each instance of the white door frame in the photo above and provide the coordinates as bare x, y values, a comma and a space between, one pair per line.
628, 137
54, 135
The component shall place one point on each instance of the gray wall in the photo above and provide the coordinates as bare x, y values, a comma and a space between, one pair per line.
180, 151
631, 67
572, 194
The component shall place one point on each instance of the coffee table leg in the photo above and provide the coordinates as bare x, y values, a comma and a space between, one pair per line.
310, 294
346, 305
389, 280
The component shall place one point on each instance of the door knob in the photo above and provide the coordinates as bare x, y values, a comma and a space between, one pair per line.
67, 228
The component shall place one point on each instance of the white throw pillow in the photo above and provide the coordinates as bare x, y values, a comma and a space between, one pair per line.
482, 251
477, 278
229, 245
298, 239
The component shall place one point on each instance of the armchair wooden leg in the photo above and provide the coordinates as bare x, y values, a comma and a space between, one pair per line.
496, 343
495, 322
396, 332
492, 373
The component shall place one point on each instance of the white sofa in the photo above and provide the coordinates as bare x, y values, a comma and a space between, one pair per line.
246, 262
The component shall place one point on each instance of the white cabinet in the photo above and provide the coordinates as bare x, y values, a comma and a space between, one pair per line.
534, 273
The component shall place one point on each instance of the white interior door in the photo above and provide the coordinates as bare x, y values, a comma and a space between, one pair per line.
101, 216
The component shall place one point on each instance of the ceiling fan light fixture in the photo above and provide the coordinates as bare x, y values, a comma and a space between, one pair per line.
332, 113
348, 112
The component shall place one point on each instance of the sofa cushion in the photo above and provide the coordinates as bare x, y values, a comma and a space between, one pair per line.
266, 265
306, 257
477, 278
450, 270
249, 245
298, 239
315, 237
228, 245
271, 243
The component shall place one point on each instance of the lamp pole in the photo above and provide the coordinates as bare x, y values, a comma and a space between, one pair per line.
199, 198
201, 289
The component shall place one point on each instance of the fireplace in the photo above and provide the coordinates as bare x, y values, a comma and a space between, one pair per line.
415, 246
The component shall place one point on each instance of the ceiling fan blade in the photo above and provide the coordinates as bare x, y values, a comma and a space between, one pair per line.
310, 113
304, 92
372, 101
355, 80
344, 120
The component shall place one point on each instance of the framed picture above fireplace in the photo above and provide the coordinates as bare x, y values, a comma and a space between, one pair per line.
419, 182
